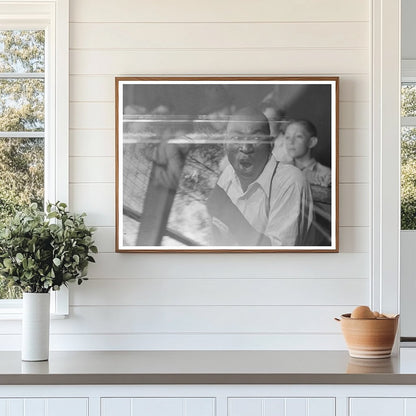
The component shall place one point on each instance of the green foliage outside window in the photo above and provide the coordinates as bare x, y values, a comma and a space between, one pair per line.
408, 104
408, 160
408, 179
21, 110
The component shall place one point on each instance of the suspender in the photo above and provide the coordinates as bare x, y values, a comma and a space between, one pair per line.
270, 187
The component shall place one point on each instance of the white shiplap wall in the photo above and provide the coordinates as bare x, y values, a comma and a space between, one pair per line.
214, 301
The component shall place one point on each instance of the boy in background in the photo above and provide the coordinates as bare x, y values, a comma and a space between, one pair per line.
301, 138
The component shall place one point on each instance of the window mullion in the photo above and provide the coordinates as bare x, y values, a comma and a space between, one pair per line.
22, 134
22, 75
408, 121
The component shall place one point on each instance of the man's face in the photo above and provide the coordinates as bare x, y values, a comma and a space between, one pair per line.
248, 148
297, 140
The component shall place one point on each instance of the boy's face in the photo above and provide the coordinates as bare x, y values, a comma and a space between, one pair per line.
248, 147
298, 140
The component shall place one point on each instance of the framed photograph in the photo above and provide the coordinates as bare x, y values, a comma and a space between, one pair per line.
227, 164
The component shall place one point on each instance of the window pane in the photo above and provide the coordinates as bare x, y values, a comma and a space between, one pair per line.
408, 178
22, 51
21, 182
21, 173
22, 105
22, 109
408, 93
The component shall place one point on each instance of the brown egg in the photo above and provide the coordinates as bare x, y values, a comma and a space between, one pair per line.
362, 312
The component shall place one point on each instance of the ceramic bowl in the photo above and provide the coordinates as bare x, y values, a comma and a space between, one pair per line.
369, 338
369, 366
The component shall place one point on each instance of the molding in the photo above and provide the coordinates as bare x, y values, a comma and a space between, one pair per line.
385, 287
57, 98
62, 101
53, 16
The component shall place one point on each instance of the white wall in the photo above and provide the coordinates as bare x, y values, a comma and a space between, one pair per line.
214, 301
164, 301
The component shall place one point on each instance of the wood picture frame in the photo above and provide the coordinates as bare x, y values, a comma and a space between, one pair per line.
227, 164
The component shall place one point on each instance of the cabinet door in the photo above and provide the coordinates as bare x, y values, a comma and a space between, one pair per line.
281, 406
155, 406
44, 407
377, 406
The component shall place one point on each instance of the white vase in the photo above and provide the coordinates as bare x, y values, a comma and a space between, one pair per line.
35, 326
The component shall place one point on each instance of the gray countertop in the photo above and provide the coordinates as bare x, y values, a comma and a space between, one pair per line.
208, 367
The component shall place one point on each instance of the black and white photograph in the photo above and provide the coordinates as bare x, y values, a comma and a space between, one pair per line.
236, 164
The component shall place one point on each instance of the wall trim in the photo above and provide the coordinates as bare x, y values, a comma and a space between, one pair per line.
385, 258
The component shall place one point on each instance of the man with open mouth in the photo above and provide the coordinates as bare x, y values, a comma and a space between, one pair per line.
257, 200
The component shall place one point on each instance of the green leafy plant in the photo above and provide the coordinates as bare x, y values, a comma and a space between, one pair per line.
42, 251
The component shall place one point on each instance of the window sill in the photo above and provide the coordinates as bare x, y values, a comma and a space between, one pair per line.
17, 316
11, 309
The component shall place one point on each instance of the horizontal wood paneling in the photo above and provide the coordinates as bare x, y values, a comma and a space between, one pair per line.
92, 169
352, 239
96, 199
354, 142
92, 115
195, 319
354, 169
95, 143
354, 205
269, 301
200, 319
207, 266
220, 62
218, 11
104, 238
218, 291
354, 115
184, 341
218, 35
98, 88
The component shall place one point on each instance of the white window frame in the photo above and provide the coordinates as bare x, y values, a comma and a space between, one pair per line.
53, 17
407, 237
